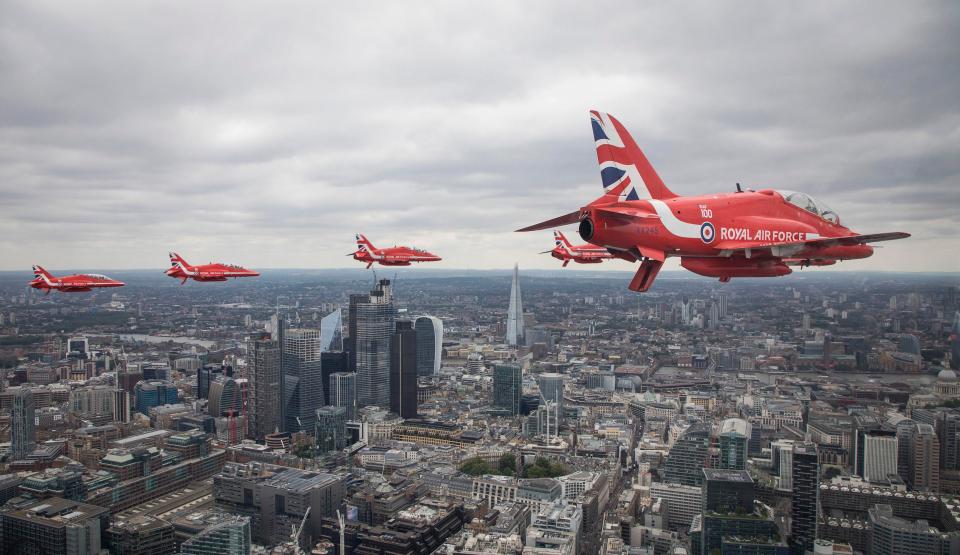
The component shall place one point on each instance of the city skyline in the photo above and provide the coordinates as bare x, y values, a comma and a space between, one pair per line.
452, 148
400, 371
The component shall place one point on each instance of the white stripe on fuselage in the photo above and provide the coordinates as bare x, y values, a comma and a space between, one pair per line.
675, 226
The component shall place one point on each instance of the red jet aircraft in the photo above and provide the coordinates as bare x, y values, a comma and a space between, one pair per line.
77, 283
724, 235
581, 254
180, 269
391, 256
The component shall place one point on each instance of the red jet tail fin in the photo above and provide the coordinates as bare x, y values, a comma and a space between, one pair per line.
39, 272
560, 239
624, 169
364, 244
177, 260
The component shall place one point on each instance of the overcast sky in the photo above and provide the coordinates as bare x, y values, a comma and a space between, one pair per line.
267, 134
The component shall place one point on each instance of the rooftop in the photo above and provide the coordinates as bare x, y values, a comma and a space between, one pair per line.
719, 475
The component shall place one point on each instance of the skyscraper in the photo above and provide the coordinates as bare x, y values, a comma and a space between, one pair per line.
551, 388
727, 491
515, 335
955, 342
266, 414
332, 362
805, 498
343, 392
507, 387
331, 432
205, 375
121, 406
685, 462
733, 439
925, 459
722, 302
948, 432
302, 378
880, 456
227, 396
374, 324
350, 343
781, 453
23, 433
154, 393
429, 344
331, 332
403, 370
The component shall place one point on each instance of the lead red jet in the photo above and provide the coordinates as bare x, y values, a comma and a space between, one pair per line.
390, 256
581, 254
180, 269
724, 235
76, 283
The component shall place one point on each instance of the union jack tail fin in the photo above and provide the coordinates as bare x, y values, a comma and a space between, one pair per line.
42, 274
561, 241
364, 244
625, 171
177, 260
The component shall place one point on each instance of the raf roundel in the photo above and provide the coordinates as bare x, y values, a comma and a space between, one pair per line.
707, 233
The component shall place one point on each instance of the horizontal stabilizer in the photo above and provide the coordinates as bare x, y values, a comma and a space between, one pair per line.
566, 219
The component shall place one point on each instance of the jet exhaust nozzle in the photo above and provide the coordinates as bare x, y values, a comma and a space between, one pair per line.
586, 229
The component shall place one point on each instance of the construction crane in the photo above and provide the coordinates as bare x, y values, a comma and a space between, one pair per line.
296, 532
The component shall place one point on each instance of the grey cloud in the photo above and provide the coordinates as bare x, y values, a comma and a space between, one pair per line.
272, 133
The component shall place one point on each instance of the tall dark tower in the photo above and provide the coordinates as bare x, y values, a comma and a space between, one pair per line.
507, 387
303, 378
805, 500
23, 432
265, 416
343, 392
332, 362
350, 343
374, 324
955, 342
403, 370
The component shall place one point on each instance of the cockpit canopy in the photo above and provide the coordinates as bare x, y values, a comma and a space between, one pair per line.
811, 205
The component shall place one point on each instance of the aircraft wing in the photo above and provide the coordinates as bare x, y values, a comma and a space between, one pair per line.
572, 217
820, 242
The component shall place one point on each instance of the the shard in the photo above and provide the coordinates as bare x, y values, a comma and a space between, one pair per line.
515, 312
